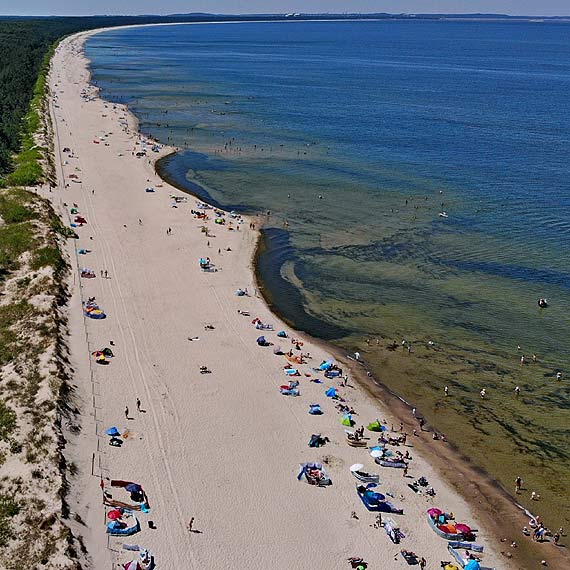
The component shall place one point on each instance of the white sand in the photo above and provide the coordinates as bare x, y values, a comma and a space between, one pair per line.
221, 447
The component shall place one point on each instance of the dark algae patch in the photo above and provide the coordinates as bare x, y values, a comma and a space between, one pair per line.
274, 250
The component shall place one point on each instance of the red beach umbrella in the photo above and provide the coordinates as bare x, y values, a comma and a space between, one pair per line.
463, 528
114, 514
433, 512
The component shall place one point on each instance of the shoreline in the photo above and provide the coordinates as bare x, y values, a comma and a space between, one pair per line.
328, 349
483, 490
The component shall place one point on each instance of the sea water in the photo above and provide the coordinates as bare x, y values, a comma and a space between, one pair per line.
413, 181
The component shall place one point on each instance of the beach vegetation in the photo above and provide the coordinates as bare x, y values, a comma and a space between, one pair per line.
7, 420
9, 508
49, 255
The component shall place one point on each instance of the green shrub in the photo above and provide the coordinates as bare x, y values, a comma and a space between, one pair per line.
9, 316
8, 509
13, 207
15, 239
47, 256
7, 421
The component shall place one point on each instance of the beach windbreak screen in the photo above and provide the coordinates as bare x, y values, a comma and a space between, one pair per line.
413, 182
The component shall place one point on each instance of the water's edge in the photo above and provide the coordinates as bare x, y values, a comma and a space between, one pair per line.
494, 503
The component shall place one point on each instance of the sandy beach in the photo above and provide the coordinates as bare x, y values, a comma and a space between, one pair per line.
222, 448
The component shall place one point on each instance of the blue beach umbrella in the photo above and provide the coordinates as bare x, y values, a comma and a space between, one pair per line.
113, 432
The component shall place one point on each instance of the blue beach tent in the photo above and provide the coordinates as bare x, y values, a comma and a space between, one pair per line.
331, 393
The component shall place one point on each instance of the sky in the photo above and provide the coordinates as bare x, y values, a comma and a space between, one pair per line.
87, 7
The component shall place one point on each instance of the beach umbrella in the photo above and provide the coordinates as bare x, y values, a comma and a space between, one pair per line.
114, 514
376, 453
433, 512
472, 565
113, 432
133, 488
261, 340
356, 467
463, 528
331, 393
277, 349
132, 565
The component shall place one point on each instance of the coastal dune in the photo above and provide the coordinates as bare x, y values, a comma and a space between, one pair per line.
223, 448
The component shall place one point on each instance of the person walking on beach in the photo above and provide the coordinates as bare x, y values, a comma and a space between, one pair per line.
518, 485
138, 405
446, 390
127, 412
483, 393
423, 563
517, 391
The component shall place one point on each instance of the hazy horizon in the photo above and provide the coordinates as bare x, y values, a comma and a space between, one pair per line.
110, 7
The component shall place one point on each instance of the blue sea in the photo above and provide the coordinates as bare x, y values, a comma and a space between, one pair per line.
412, 178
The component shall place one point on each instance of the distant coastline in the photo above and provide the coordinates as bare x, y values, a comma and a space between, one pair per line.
145, 19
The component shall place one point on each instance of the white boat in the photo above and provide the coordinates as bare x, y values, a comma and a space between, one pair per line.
362, 476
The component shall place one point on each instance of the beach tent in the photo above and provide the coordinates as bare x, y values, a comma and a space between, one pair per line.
315, 410
325, 365
282, 334
346, 420
376, 426
113, 432
472, 565
316, 440
331, 393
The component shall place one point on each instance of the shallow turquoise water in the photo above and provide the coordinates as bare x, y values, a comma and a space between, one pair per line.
391, 123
